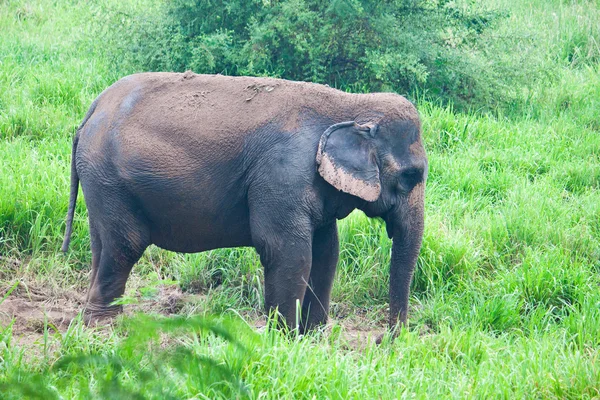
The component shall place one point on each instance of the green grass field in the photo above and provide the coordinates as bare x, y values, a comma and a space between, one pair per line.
505, 302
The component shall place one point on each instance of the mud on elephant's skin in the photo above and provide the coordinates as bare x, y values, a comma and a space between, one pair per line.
196, 162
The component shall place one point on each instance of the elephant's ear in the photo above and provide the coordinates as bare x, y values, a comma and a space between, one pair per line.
346, 159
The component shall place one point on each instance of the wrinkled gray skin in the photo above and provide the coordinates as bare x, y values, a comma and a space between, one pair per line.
196, 162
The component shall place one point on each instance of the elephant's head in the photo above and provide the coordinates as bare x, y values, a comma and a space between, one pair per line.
385, 165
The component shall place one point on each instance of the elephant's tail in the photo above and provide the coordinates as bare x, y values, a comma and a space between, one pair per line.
75, 179
72, 197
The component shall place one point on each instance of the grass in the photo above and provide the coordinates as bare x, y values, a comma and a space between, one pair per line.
505, 299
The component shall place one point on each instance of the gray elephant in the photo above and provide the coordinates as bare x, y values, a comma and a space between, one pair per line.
197, 162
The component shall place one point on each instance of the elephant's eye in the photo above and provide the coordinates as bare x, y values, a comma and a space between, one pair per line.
409, 178
413, 174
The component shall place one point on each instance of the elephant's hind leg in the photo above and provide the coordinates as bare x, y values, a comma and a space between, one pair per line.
96, 245
120, 243
325, 252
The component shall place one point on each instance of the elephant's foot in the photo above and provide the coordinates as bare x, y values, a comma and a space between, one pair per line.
393, 332
312, 325
94, 315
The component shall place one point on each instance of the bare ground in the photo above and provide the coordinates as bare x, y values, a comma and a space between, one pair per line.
30, 308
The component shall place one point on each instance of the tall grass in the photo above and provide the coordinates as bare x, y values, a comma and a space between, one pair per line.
505, 298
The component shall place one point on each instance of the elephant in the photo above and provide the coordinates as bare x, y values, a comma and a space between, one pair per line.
192, 162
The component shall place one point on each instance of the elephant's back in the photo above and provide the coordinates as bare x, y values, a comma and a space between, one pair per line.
217, 106
224, 107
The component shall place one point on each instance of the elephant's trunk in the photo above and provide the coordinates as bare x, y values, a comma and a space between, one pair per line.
407, 234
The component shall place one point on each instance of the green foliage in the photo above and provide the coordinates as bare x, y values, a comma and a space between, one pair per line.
405, 45
138, 367
505, 300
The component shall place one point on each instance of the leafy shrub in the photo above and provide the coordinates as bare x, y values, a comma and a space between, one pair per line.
407, 46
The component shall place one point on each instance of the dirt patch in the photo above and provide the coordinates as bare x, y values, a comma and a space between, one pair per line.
354, 334
31, 315
167, 300
30, 309
358, 337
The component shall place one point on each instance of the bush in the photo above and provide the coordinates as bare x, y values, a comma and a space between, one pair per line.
407, 46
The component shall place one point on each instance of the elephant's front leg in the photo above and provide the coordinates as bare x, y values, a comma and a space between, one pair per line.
325, 253
286, 258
